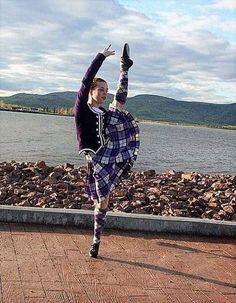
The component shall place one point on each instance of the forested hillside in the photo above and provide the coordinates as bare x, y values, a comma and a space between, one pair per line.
148, 107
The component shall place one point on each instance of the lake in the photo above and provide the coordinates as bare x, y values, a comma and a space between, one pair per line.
32, 137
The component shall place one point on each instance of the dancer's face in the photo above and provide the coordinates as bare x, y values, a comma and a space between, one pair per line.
99, 93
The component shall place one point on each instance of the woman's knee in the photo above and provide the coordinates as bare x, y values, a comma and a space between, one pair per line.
103, 203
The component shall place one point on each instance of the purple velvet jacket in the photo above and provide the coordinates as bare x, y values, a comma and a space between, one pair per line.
90, 125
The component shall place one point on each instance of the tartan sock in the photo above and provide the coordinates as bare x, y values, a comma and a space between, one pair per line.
99, 221
122, 89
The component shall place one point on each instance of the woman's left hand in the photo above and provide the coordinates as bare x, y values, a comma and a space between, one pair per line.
107, 52
118, 105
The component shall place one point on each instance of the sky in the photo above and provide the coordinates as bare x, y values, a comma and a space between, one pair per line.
184, 50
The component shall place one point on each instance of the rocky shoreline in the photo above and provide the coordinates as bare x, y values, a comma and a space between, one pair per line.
172, 193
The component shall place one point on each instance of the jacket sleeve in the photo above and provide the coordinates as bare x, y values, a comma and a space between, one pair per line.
82, 96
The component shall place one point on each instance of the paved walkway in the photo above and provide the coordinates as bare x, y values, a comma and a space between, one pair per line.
41, 264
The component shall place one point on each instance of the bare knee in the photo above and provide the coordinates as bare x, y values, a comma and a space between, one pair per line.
103, 203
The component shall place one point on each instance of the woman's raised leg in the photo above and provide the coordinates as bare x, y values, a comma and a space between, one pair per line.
122, 89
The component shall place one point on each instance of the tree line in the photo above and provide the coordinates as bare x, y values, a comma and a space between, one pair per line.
67, 111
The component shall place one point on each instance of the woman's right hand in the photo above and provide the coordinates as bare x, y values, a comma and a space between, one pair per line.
107, 52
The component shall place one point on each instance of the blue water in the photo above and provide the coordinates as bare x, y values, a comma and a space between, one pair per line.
32, 137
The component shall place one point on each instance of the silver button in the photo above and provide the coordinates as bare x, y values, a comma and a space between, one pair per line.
98, 136
97, 123
96, 128
99, 142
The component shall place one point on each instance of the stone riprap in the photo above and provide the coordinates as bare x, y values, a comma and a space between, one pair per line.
172, 193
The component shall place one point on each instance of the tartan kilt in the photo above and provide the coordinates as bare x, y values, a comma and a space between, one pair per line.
105, 168
100, 180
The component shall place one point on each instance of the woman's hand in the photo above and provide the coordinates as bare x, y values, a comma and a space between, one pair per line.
118, 105
107, 52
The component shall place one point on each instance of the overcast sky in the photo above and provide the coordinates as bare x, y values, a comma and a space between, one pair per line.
181, 49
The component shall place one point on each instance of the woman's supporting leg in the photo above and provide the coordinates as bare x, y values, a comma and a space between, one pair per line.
99, 222
100, 212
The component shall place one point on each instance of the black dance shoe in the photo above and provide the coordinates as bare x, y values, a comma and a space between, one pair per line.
93, 252
126, 62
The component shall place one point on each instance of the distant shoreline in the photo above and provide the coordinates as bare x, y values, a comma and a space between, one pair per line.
227, 127
34, 112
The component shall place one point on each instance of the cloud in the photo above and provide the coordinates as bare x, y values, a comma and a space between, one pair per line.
228, 26
225, 4
48, 45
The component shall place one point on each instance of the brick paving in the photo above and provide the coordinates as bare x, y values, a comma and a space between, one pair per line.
41, 264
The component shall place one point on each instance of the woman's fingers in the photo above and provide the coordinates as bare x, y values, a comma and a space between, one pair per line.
107, 52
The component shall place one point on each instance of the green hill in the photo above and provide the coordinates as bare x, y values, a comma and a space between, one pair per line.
144, 107
160, 108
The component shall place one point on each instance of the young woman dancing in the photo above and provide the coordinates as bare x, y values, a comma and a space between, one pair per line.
109, 138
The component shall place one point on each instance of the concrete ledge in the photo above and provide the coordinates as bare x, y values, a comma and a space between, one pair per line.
123, 221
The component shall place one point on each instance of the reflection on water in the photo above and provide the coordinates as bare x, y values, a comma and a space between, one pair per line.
32, 137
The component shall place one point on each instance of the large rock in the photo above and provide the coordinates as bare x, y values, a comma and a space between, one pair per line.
41, 165
3, 194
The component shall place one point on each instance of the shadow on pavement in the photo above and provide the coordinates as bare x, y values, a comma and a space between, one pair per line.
196, 250
169, 271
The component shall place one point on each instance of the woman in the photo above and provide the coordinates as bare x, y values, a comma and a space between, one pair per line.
109, 139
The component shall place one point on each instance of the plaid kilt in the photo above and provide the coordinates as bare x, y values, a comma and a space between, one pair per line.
98, 186
110, 161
